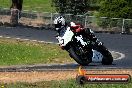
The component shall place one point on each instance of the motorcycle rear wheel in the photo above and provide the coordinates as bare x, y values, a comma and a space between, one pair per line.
107, 57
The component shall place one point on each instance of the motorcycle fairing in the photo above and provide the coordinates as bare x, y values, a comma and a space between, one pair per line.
66, 37
97, 56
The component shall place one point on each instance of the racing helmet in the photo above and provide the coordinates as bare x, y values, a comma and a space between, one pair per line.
59, 22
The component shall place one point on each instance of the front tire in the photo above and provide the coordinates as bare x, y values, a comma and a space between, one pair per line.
77, 58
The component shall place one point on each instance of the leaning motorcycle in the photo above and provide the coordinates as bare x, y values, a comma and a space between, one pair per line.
82, 49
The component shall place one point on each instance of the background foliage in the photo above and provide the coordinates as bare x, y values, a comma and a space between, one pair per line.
116, 8
71, 6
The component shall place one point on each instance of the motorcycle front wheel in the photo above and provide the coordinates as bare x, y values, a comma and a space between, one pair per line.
77, 58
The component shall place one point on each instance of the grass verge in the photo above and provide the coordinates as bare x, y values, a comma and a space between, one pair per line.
16, 52
71, 83
36, 5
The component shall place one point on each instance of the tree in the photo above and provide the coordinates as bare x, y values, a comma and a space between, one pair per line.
71, 6
16, 8
116, 8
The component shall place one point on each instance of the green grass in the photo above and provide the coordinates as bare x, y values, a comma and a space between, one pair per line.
36, 5
64, 84
13, 52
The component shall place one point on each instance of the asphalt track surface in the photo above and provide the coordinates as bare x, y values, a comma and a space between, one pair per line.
114, 42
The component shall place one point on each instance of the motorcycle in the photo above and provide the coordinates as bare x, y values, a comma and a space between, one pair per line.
82, 49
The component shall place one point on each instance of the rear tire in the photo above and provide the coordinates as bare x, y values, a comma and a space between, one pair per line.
107, 57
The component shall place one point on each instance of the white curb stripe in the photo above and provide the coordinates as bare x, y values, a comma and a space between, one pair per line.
34, 40
8, 37
18, 38
24, 39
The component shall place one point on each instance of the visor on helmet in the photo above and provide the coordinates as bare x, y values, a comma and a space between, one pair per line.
57, 26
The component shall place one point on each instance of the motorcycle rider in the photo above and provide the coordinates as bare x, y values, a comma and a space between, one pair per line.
61, 26
90, 49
